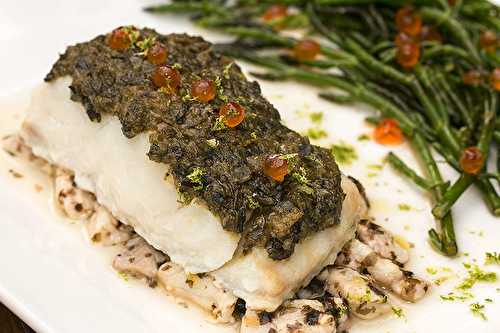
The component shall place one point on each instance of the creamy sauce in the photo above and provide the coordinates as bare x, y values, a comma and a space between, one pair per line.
477, 230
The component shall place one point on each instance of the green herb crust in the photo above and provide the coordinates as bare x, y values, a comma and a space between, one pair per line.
227, 172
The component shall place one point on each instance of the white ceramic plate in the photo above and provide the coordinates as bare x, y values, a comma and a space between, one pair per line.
58, 282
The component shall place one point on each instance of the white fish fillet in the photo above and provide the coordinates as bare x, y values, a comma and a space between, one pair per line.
125, 181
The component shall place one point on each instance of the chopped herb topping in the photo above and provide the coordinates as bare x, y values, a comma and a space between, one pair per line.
220, 90
462, 297
219, 124
431, 270
377, 167
123, 276
344, 153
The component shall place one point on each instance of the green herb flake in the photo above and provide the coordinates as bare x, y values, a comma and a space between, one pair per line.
476, 275
492, 258
488, 300
177, 66
404, 207
398, 312
316, 117
376, 167
196, 178
253, 135
344, 153
477, 310
364, 137
316, 134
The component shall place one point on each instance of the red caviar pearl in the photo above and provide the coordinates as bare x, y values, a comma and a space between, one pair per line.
157, 54
275, 12
166, 77
306, 49
408, 21
119, 39
276, 167
232, 114
495, 79
203, 90
408, 55
488, 41
472, 78
429, 33
471, 160
388, 132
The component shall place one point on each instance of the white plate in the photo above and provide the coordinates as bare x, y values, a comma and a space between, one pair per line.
58, 282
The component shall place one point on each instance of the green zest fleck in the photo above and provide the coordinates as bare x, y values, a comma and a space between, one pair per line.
219, 124
220, 89
344, 153
212, 143
177, 66
226, 70
404, 207
431, 270
123, 276
452, 297
492, 258
476, 275
252, 203
316, 117
398, 312
316, 134
478, 310
145, 44
196, 178
301, 176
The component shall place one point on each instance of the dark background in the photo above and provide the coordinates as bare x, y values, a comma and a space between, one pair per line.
9, 323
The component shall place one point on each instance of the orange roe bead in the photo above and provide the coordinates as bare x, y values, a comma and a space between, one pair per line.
276, 167
203, 90
429, 33
472, 78
306, 49
408, 55
408, 21
275, 12
403, 38
488, 41
232, 114
119, 39
157, 54
388, 132
471, 160
166, 77
495, 79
